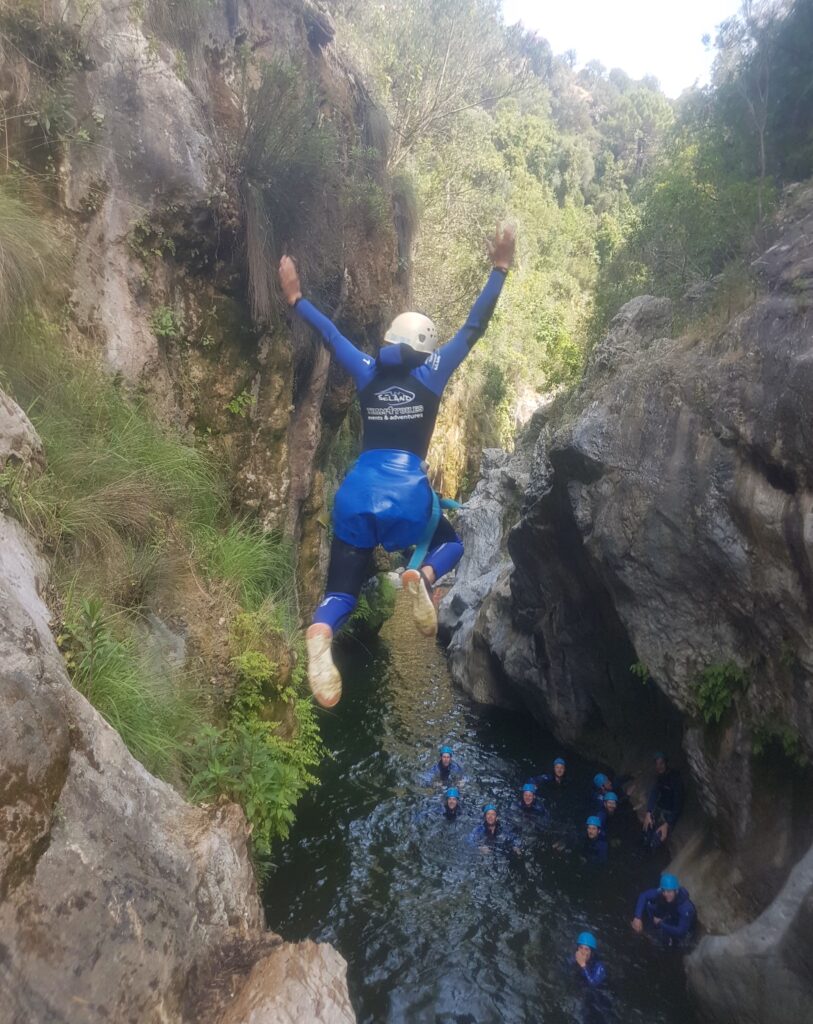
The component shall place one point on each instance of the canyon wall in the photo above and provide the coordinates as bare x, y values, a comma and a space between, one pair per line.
660, 519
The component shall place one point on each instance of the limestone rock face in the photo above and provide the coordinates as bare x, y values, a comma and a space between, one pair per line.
19, 441
174, 255
668, 521
482, 576
116, 896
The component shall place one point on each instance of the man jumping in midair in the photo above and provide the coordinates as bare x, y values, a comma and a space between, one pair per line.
386, 497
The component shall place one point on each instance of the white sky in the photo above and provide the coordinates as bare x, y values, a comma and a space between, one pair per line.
644, 37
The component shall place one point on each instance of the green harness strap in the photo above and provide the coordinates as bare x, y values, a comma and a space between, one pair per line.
420, 551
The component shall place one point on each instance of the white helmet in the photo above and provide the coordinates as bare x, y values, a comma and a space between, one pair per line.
415, 330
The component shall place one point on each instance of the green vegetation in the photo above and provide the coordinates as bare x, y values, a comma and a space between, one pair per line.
36, 115
771, 736
251, 563
166, 323
240, 405
149, 241
617, 191
733, 144
248, 760
156, 713
28, 250
715, 689
486, 122
137, 522
640, 671
376, 604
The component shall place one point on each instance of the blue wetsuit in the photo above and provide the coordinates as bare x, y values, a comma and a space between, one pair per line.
550, 780
595, 850
593, 974
677, 918
536, 813
386, 497
605, 818
665, 804
498, 836
438, 773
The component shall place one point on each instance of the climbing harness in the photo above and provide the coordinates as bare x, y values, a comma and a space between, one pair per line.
438, 504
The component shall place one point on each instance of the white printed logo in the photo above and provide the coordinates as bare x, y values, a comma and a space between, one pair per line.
396, 396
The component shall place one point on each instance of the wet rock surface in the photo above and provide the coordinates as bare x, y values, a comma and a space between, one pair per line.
668, 522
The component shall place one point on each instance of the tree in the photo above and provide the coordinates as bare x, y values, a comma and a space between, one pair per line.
747, 50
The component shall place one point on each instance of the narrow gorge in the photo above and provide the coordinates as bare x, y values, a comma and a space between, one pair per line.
632, 443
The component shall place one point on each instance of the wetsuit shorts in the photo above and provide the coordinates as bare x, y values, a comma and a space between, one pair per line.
385, 499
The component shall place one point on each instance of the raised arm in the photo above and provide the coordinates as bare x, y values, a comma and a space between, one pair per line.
360, 366
442, 364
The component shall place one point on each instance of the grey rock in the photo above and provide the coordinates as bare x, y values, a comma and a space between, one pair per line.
117, 896
762, 972
19, 441
633, 329
668, 520
482, 574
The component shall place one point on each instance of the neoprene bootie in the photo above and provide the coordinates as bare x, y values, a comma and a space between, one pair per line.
423, 610
323, 676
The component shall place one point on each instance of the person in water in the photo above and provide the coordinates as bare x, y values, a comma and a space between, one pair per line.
445, 768
594, 844
602, 784
452, 808
492, 832
667, 910
386, 497
586, 963
609, 809
557, 777
530, 807
664, 805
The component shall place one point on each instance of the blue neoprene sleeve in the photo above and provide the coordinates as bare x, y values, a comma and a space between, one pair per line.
439, 367
361, 367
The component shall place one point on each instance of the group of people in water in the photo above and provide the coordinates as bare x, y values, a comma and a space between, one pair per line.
665, 912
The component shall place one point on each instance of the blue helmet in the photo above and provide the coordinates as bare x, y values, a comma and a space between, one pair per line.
610, 796
593, 820
489, 807
669, 882
452, 792
559, 760
529, 787
659, 756
445, 750
600, 779
587, 939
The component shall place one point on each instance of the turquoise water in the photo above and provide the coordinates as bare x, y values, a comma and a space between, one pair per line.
433, 929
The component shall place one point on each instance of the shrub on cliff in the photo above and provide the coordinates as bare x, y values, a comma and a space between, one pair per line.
136, 519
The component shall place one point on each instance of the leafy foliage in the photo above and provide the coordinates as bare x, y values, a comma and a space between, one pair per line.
248, 760
123, 503
716, 687
710, 192
640, 671
376, 604
240, 405
166, 323
770, 736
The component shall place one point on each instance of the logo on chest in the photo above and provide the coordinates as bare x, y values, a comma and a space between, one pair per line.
396, 396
